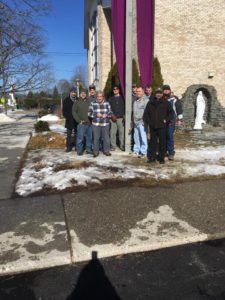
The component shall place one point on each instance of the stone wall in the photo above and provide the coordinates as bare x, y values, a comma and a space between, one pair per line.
104, 45
190, 42
214, 113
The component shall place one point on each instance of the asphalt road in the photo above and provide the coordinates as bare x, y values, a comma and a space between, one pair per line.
189, 272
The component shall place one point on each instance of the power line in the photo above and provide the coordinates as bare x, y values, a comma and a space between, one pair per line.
65, 53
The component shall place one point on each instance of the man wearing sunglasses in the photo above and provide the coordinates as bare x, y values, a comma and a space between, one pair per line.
117, 104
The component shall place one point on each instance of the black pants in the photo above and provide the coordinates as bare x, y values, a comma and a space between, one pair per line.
157, 142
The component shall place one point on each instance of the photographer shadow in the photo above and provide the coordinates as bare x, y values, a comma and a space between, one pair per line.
93, 283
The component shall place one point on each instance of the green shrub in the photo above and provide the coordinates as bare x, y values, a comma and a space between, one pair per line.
113, 78
42, 113
157, 79
41, 126
135, 73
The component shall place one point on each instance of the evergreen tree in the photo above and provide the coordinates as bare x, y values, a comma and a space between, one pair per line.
135, 73
157, 79
113, 78
55, 94
30, 101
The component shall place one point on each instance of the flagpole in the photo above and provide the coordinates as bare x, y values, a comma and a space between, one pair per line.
128, 72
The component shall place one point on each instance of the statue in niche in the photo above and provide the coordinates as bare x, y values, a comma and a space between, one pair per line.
200, 110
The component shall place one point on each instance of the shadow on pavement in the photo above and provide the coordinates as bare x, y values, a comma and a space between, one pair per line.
93, 283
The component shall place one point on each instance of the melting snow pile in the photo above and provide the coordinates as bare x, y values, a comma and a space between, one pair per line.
55, 169
49, 118
5, 119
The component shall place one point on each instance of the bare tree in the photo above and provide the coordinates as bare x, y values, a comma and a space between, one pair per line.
63, 87
80, 72
21, 45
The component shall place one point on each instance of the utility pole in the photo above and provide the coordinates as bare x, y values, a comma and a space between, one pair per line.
128, 72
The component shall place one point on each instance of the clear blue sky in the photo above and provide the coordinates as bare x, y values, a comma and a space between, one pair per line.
64, 34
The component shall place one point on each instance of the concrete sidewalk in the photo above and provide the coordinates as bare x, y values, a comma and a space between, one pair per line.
48, 231
40, 232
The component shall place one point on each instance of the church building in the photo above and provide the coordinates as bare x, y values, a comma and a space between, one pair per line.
189, 42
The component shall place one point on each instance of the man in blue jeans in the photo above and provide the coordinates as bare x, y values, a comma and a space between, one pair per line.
140, 135
84, 128
100, 112
177, 119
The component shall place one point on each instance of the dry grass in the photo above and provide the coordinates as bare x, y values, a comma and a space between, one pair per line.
78, 164
49, 140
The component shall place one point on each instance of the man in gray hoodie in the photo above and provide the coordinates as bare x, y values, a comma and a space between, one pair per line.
140, 135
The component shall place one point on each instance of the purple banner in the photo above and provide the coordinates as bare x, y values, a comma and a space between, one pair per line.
145, 38
118, 32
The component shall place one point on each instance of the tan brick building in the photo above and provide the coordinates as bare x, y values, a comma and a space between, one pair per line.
189, 42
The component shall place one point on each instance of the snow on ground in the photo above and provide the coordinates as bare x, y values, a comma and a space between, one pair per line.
49, 118
59, 170
57, 128
6, 119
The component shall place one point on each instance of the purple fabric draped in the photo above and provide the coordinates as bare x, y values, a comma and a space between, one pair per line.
118, 31
145, 39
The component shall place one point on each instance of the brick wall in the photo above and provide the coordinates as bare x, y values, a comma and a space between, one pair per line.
190, 42
105, 47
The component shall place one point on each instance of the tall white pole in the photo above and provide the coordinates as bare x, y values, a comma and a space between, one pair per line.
128, 72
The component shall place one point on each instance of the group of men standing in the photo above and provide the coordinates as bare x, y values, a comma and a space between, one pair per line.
99, 123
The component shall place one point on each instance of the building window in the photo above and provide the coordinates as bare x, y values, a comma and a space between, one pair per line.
94, 49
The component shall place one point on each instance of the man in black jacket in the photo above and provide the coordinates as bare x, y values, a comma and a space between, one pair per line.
157, 114
70, 124
117, 122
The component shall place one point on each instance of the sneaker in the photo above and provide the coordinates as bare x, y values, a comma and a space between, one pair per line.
135, 154
68, 150
171, 157
79, 153
122, 148
141, 155
95, 154
107, 153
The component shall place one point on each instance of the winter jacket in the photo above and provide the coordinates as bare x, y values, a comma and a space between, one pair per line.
177, 108
158, 113
67, 113
117, 105
139, 108
80, 110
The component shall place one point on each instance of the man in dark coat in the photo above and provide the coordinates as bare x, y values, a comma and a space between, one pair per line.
71, 124
84, 129
157, 114
177, 119
117, 122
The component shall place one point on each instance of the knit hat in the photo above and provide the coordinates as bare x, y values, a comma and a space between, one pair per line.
73, 89
166, 87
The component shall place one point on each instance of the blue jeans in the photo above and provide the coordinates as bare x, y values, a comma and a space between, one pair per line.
170, 129
101, 134
140, 139
84, 137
